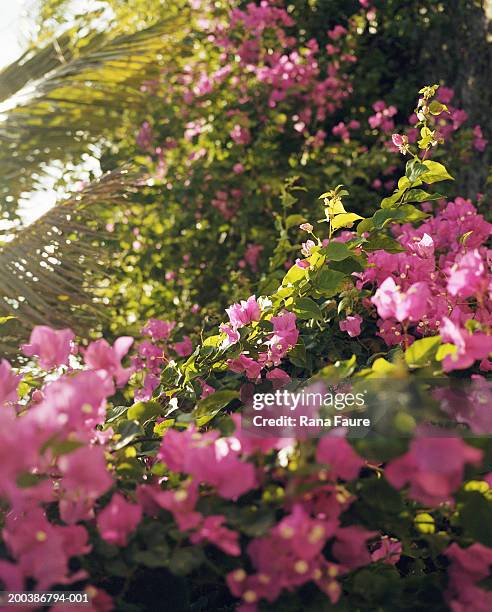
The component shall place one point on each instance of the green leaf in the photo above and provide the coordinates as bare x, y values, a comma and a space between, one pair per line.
252, 521
422, 352
424, 523
382, 242
294, 220
144, 411
213, 341
115, 412
287, 199
184, 560
344, 220
392, 200
294, 275
347, 266
382, 367
26, 479
4, 320
366, 225
339, 369
476, 517
298, 355
154, 557
336, 251
444, 350
329, 282
210, 406
128, 431
420, 195
407, 213
436, 108
415, 169
435, 172
306, 308
64, 447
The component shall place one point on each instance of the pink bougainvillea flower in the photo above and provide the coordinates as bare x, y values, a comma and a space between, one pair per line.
100, 355
433, 467
184, 348
387, 550
340, 457
100, 600
469, 347
212, 530
51, 346
11, 576
401, 142
252, 255
145, 136
245, 364
278, 377
74, 403
206, 389
467, 277
350, 547
307, 247
9, 383
304, 535
469, 566
43, 551
302, 263
337, 32
351, 325
180, 502
84, 478
391, 302
209, 459
283, 338
118, 520
232, 334
473, 562
240, 135
244, 313
479, 142
424, 247
288, 557
251, 444
284, 329
157, 329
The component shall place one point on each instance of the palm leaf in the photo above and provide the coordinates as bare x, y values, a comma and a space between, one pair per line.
52, 269
74, 95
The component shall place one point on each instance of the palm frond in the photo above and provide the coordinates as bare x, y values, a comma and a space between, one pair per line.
52, 269
70, 102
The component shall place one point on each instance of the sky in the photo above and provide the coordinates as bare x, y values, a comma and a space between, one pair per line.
14, 24
13, 29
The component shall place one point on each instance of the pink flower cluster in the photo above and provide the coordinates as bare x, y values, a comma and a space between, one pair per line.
227, 202
383, 117
271, 350
209, 459
448, 122
290, 555
433, 467
153, 354
442, 280
289, 71
343, 129
64, 411
468, 567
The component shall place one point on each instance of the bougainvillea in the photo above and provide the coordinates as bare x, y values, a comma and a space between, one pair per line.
169, 489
